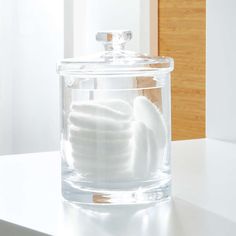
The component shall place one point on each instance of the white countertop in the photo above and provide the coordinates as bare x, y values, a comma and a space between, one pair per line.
204, 198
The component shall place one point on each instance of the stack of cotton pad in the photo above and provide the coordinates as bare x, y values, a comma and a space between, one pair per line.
100, 134
112, 141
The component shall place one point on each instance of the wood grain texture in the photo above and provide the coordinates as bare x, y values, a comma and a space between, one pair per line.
181, 35
153, 27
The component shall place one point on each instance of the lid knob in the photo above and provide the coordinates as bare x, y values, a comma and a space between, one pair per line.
114, 40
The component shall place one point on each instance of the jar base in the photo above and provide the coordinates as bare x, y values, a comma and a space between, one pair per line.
142, 195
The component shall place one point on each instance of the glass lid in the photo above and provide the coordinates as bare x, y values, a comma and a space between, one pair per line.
115, 60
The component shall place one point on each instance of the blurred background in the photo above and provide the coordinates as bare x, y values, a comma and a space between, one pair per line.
34, 35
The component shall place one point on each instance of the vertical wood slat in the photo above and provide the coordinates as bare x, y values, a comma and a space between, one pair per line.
181, 35
153, 27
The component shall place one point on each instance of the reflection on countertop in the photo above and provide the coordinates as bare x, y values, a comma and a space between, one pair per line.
172, 218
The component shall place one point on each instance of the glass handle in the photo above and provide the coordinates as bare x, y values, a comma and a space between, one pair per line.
114, 40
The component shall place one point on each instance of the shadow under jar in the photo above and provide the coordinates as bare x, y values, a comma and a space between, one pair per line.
115, 129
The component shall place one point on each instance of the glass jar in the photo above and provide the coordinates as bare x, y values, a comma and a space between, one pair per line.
115, 129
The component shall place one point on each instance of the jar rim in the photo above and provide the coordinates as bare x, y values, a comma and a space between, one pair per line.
126, 65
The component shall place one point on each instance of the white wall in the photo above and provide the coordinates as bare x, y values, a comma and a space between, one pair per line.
39, 46
221, 73
91, 16
33, 46
6, 38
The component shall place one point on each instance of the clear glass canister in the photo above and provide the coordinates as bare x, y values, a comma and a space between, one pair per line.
115, 129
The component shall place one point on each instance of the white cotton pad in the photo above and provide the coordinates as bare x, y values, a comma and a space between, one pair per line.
95, 122
114, 167
103, 148
118, 105
103, 168
145, 111
140, 152
100, 134
101, 110
102, 162
152, 152
105, 159
106, 146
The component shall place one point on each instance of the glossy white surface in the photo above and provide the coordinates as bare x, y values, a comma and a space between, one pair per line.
176, 218
30, 190
204, 176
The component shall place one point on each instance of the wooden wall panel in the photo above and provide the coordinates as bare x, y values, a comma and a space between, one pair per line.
181, 35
